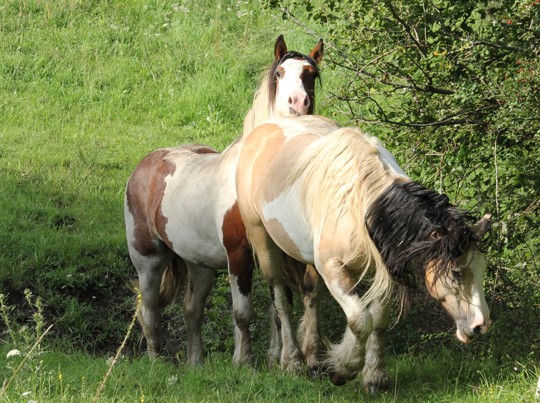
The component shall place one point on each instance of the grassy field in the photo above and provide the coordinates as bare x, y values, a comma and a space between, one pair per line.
59, 377
87, 88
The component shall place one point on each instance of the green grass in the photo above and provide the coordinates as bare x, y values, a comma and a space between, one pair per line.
65, 377
87, 88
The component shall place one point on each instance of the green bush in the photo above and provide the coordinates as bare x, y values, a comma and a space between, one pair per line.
453, 89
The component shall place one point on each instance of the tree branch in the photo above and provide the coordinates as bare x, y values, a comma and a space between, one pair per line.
407, 28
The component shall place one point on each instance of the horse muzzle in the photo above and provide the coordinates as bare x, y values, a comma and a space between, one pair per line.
476, 329
299, 103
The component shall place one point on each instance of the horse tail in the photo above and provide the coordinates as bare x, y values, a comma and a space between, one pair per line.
172, 281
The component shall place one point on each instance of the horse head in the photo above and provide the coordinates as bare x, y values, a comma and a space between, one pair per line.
292, 80
415, 227
458, 287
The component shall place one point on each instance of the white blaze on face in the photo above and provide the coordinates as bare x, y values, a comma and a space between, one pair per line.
292, 98
464, 299
478, 309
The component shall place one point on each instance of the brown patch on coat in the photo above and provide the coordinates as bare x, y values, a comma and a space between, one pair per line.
308, 76
200, 149
238, 250
144, 193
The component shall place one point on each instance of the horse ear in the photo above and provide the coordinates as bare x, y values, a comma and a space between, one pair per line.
280, 48
481, 227
317, 52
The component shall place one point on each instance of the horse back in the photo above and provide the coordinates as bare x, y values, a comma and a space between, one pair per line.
164, 197
266, 196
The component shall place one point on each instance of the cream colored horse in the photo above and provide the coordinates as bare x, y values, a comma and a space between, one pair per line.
336, 198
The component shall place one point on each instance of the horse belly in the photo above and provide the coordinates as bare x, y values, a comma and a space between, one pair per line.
201, 249
286, 223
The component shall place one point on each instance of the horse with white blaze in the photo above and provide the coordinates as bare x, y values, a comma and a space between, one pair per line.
182, 219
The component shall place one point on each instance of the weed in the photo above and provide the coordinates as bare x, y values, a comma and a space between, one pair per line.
25, 341
113, 362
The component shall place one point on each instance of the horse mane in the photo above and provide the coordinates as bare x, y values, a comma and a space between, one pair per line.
412, 225
343, 174
262, 108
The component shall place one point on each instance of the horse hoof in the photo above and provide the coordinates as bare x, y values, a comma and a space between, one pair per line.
153, 355
336, 379
293, 368
314, 372
372, 390
375, 389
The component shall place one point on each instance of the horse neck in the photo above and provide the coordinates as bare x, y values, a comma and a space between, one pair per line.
261, 110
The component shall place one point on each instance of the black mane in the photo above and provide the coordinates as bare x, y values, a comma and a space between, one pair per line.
412, 225
296, 55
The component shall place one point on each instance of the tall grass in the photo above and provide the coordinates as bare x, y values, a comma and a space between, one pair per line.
34, 373
87, 88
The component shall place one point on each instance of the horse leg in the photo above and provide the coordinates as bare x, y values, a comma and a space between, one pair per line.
347, 358
374, 374
200, 281
274, 351
241, 276
150, 269
276, 342
310, 334
270, 259
291, 358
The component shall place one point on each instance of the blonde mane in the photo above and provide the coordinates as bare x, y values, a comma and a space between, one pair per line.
343, 174
261, 109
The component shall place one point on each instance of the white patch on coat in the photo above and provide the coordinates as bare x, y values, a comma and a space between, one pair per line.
292, 219
387, 158
195, 208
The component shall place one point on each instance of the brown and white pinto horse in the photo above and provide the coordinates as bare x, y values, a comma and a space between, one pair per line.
336, 198
181, 214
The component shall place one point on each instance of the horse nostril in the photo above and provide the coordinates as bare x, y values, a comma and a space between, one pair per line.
306, 101
290, 101
477, 330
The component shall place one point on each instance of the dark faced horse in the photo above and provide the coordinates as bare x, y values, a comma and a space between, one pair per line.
182, 217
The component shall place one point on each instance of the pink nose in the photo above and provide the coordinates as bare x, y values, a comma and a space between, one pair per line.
299, 103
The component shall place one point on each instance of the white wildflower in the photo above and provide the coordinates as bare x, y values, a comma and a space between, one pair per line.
13, 353
26, 394
172, 380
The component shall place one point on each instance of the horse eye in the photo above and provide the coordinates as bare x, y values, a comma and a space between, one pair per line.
457, 274
278, 74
